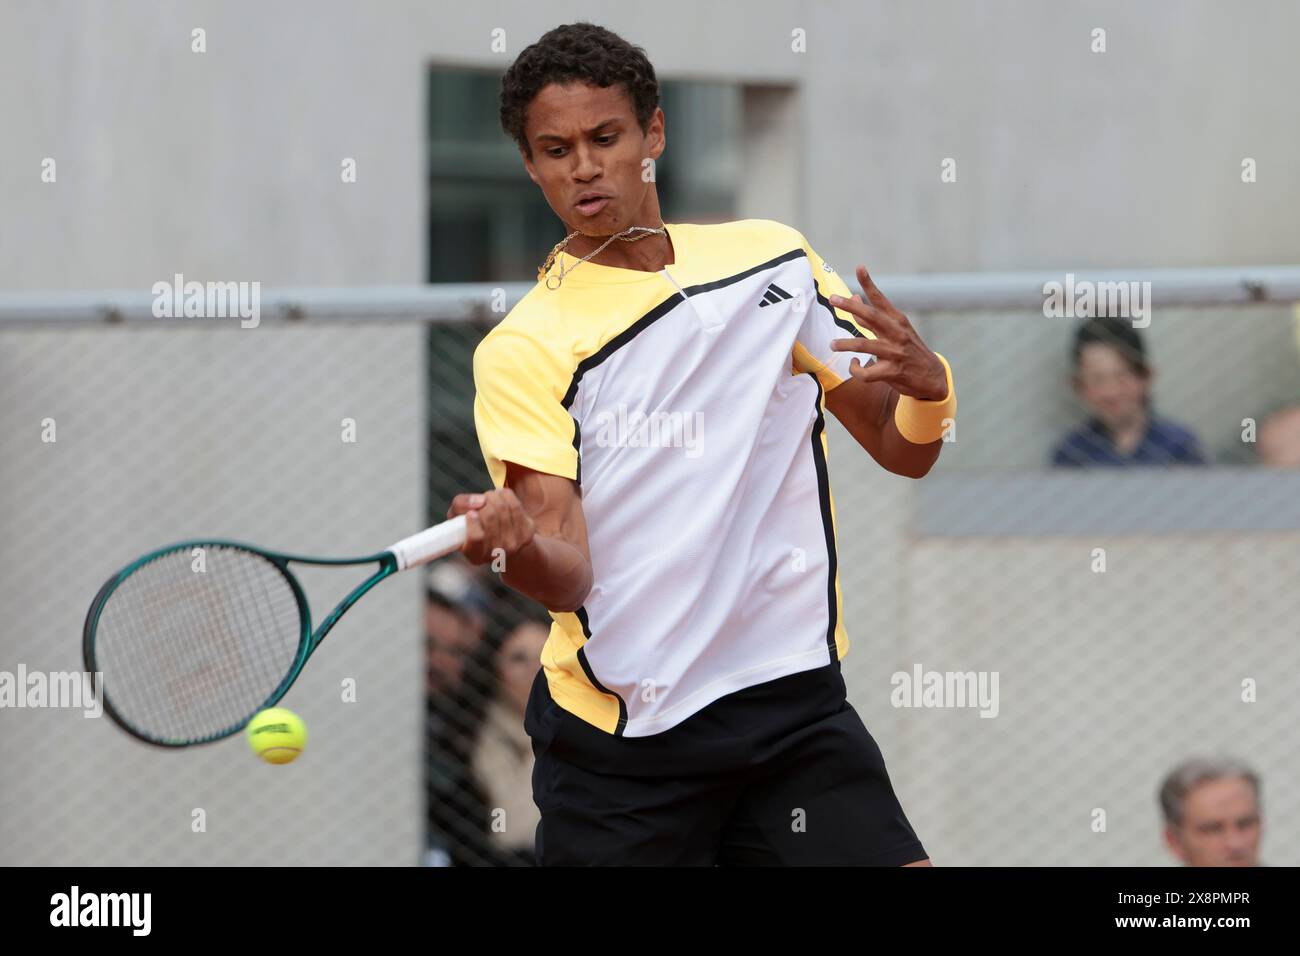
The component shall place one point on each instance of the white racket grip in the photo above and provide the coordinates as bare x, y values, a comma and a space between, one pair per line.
430, 544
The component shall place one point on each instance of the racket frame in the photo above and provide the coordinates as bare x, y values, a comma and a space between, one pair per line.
412, 551
308, 640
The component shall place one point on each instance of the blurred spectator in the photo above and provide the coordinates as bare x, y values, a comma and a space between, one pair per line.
1211, 810
502, 762
1113, 379
454, 620
1278, 441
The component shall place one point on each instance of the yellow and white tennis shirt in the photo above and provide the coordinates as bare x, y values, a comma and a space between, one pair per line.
688, 405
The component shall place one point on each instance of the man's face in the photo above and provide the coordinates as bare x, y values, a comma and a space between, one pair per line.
449, 640
1220, 827
1108, 385
585, 140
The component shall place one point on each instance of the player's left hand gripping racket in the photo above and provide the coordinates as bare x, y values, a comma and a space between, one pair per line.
190, 650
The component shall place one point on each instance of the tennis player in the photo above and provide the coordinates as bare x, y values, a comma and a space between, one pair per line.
652, 417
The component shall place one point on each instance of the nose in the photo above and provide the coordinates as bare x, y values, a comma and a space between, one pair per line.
1237, 842
585, 167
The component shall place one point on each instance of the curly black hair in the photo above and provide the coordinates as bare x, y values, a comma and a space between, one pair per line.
576, 52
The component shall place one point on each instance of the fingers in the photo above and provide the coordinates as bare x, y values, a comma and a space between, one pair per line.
880, 371
897, 376
877, 314
507, 511
464, 503
875, 296
868, 316
522, 527
495, 521
490, 518
880, 348
473, 545
876, 302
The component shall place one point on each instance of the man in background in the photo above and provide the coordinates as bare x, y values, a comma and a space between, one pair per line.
1211, 810
454, 624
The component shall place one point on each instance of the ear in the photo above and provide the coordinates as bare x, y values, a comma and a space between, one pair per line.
528, 166
1175, 845
655, 133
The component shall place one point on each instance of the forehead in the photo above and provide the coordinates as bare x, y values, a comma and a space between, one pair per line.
1227, 796
575, 107
1101, 355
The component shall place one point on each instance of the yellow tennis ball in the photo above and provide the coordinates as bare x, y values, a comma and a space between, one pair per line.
277, 735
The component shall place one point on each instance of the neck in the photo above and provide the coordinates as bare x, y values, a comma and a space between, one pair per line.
648, 253
1127, 434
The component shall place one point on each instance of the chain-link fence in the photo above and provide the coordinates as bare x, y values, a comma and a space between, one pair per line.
1122, 619
1105, 622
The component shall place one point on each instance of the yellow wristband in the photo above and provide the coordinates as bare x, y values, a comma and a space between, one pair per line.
922, 422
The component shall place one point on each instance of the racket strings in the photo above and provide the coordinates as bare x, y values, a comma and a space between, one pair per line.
189, 650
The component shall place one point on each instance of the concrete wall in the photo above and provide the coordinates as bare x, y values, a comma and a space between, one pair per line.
227, 162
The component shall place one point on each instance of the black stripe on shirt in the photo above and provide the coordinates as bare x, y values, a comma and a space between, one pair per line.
828, 521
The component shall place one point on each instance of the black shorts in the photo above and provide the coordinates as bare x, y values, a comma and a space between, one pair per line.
781, 773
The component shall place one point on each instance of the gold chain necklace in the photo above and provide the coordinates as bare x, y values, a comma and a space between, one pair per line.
644, 231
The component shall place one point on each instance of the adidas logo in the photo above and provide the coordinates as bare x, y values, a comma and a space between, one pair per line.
773, 295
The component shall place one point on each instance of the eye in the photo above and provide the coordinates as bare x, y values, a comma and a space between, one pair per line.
555, 151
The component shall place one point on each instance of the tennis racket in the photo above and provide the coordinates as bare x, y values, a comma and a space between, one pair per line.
196, 638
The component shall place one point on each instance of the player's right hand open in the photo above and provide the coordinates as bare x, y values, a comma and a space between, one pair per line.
495, 524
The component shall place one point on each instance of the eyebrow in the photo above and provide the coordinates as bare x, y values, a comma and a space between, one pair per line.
549, 137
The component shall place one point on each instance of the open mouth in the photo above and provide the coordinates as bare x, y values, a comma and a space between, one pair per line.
589, 207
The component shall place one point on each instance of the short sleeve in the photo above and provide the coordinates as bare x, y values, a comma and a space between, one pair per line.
823, 324
519, 413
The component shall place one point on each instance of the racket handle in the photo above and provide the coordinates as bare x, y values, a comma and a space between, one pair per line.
430, 544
